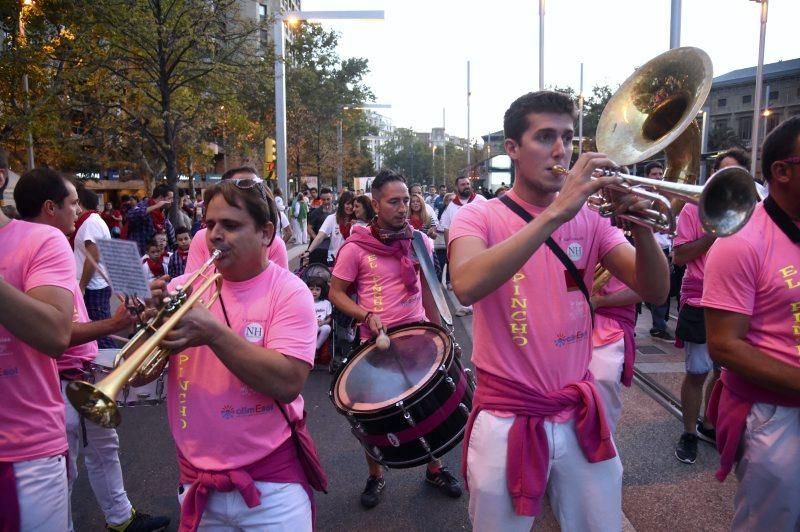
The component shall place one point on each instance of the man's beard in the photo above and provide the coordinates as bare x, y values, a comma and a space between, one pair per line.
465, 195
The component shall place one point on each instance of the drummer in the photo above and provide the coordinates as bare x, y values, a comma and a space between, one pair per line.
34, 194
377, 261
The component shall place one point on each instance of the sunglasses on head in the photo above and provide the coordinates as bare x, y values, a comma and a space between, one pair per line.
247, 183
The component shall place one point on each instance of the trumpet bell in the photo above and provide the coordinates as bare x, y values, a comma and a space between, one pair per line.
93, 404
727, 201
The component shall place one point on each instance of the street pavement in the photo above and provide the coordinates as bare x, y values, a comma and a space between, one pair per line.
659, 493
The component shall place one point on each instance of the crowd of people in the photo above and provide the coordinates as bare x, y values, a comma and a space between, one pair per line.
548, 398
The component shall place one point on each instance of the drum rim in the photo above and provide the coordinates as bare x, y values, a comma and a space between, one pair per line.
417, 394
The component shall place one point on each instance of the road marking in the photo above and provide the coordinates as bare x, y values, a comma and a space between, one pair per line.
661, 367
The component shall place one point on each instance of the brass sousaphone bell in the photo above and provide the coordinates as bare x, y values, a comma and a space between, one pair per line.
655, 110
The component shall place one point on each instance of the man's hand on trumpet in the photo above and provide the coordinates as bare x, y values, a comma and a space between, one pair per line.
197, 327
579, 185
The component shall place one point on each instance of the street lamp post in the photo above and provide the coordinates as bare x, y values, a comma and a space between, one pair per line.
759, 82
278, 34
541, 44
25, 87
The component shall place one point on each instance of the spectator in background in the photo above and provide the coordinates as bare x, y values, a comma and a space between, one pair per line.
149, 217
113, 219
177, 261
438, 202
315, 201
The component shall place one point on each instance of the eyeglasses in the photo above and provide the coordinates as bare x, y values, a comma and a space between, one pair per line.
247, 183
790, 160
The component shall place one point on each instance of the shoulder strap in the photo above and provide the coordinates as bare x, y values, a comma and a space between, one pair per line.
779, 216
565, 260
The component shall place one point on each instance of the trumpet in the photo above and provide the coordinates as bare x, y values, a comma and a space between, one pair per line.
142, 360
725, 202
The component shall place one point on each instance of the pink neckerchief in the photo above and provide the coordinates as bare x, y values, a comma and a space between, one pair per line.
528, 456
625, 316
728, 407
399, 248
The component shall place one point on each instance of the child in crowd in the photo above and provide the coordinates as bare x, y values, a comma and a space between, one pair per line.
161, 240
154, 264
322, 307
177, 262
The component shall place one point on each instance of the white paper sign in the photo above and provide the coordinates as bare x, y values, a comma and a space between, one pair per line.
124, 267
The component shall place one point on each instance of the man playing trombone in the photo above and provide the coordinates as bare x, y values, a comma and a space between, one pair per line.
236, 375
538, 423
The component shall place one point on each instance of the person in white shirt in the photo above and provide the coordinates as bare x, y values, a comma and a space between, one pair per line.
90, 228
336, 226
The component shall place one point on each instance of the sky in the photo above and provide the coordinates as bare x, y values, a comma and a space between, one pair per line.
418, 54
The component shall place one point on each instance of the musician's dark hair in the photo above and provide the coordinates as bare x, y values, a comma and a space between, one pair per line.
738, 154
161, 190
383, 177
779, 144
651, 165
256, 200
239, 170
344, 199
36, 187
88, 198
515, 121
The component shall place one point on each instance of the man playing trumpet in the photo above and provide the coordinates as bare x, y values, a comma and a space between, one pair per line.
237, 376
538, 424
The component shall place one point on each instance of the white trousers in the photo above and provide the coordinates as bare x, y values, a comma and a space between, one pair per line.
101, 457
42, 494
584, 496
768, 495
323, 333
606, 366
283, 508
300, 231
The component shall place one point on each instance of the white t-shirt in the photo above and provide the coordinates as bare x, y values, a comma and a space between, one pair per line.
450, 213
322, 309
91, 230
331, 228
279, 203
283, 223
432, 215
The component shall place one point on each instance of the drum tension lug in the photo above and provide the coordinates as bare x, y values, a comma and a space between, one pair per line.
450, 382
457, 349
471, 377
406, 413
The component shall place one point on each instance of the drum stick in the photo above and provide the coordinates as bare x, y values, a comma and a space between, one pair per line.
382, 341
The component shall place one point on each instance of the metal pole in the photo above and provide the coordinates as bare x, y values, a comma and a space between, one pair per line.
444, 150
757, 95
541, 44
469, 139
280, 103
31, 162
675, 24
765, 113
703, 145
580, 116
339, 156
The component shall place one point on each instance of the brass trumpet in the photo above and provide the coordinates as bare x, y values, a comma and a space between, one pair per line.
726, 201
141, 360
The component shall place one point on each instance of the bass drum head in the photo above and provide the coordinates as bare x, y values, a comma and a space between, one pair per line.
375, 379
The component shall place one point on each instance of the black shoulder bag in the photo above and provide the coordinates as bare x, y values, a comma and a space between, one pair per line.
565, 260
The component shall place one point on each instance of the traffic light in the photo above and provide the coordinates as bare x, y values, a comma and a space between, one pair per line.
270, 156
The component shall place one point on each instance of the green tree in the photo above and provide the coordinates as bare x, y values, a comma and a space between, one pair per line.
722, 138
405, 153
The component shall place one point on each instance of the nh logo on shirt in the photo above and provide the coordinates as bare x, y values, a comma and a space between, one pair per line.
253, 332
575, 251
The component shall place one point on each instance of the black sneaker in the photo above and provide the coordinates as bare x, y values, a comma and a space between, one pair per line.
662, 335
445, 481
686, 451
141, 522
707, 435
371, 495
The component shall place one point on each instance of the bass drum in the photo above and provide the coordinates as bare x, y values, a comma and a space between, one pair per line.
408, 404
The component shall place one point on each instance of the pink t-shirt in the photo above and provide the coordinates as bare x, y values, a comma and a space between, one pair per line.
536, 328
75, 356
379, 283
198, 252
689, 230
607, 330
32, 409
756, 272
217, 421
